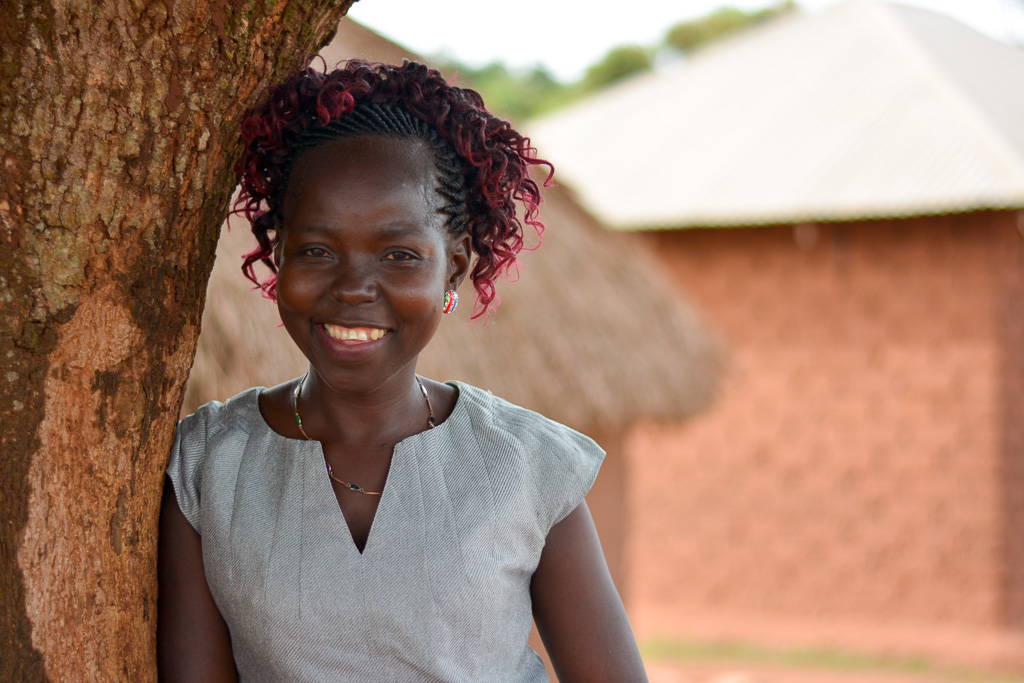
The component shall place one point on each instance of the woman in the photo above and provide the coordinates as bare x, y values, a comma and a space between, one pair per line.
361, 523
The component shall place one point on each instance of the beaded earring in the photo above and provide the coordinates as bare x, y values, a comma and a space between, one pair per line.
451, 300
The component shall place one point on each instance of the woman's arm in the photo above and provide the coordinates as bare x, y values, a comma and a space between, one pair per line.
192, 639
578, 611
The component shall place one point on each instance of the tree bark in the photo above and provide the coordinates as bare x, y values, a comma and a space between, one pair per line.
118, 136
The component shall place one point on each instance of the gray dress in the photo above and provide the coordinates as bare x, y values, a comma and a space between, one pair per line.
442, 589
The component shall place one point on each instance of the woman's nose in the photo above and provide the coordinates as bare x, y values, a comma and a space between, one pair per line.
354, 284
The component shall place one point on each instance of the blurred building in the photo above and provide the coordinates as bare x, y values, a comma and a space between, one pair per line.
840, 194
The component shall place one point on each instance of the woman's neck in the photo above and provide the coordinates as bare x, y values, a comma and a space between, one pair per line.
386, 414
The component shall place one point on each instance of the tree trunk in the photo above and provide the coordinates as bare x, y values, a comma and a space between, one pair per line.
118, 129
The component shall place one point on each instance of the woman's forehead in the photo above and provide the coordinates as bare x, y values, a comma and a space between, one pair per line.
392, 179
364, 164
372, 153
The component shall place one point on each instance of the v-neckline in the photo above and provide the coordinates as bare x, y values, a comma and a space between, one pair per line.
325, 488
322, 480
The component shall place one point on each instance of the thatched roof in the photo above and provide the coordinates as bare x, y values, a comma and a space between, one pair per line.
592, 335
241, 343
355, 40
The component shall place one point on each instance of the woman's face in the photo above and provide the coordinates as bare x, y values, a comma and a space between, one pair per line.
365, 259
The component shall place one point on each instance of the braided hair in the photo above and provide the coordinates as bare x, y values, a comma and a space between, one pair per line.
482, 163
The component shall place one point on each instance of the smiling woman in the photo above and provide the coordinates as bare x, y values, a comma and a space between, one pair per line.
360, 522
365, 259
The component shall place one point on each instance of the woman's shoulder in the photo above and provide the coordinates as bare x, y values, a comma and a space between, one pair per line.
530, 454
496, 419
215, 417
209, 443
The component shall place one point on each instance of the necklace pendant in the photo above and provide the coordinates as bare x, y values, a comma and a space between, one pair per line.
431, 421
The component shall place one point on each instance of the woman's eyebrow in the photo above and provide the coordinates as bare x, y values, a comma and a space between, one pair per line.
402, 229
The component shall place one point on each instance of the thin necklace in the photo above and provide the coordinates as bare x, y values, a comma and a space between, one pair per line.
431, 421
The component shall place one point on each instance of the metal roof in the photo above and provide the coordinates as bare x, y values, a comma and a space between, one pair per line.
866, 110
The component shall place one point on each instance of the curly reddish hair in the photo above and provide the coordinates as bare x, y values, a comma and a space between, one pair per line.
483, 163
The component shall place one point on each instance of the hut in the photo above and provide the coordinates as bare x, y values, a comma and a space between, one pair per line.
592, 334
840, 193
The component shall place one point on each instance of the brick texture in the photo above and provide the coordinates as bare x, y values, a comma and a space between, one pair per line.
865, 458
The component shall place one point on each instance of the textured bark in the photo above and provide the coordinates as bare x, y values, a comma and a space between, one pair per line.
118, 128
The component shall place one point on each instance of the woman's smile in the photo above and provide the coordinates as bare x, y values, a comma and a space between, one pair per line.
354, 334
350, 343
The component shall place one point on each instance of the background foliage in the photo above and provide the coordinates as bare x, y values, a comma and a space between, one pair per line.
519, 94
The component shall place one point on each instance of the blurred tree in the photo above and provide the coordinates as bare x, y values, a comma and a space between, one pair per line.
619, 63
522, 94
688, 35
510, 93
118, 134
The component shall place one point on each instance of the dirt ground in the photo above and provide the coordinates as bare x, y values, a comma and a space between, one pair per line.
665, 672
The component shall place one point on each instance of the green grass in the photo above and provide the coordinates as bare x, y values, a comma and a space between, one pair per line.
820, 659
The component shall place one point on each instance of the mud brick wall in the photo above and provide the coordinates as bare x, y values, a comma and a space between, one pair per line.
865, 459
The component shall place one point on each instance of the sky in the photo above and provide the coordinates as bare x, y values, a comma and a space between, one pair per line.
568, 35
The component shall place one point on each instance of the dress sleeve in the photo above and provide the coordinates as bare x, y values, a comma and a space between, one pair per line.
185, 467
566, 472
547, 466
558, 464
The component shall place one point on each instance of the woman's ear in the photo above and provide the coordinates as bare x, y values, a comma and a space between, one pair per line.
460, 255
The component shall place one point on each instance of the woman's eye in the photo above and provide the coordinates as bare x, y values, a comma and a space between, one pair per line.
399, 256
315, 252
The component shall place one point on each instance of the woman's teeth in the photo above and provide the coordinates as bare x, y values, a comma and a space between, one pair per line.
354, 333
